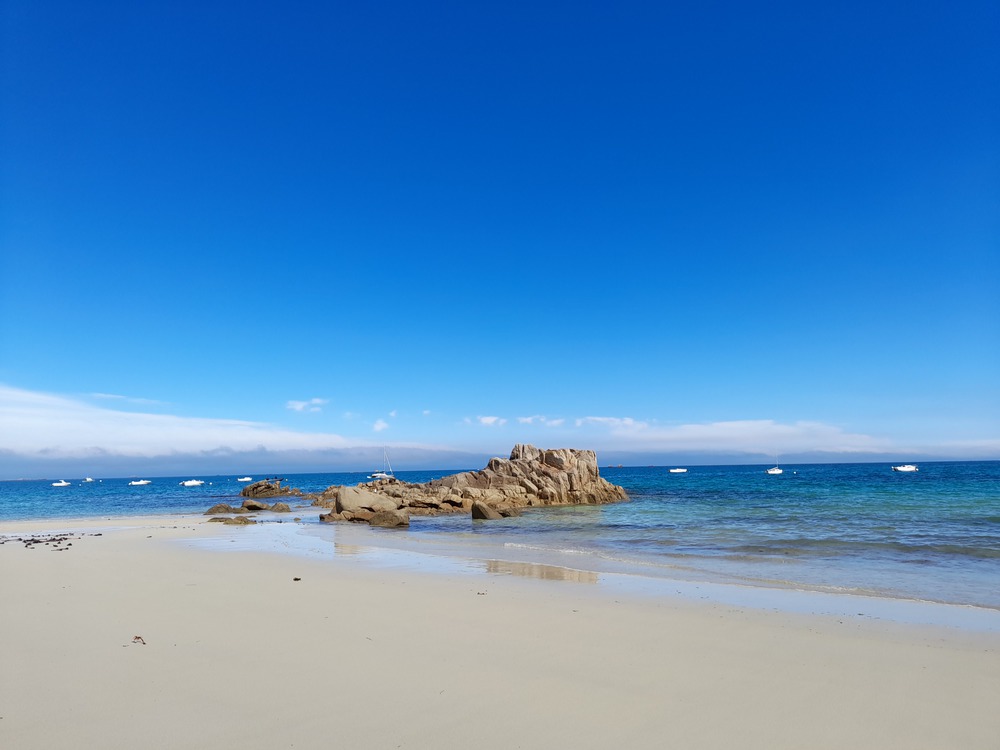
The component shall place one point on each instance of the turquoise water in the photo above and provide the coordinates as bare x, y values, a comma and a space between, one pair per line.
861, 528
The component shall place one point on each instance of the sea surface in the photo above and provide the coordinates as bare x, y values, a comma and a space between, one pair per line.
863, 529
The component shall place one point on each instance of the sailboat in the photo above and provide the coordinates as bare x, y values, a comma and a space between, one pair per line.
775, 469
386, 472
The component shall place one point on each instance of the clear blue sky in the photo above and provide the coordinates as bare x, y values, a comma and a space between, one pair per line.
664, 231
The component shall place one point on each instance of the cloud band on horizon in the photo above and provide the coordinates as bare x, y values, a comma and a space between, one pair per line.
46, 426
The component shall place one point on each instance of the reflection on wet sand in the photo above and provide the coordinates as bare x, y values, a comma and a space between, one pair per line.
452, 564
536, 570
349, 549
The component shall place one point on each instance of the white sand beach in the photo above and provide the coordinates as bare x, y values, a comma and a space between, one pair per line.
263, 650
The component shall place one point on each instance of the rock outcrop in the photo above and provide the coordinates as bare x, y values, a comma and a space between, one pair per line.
222, 508
267, 488
529, 478
234, 521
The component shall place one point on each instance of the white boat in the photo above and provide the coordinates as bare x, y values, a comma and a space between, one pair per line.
61, 483
192, 483
245, 479
905, 467
88, 479
775, 469
139, 482
386, 472
678, 471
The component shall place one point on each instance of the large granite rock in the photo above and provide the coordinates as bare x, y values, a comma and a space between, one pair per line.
531, 477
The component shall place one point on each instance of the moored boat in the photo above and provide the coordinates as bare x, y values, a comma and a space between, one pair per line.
139, 482
905, 467
245, 479
775, 469
61, 483
678, 471
192, 483
386, 472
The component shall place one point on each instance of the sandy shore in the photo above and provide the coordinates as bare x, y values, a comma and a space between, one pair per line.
260, 650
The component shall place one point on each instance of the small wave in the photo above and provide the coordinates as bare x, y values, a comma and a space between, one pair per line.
916, 552
537, 548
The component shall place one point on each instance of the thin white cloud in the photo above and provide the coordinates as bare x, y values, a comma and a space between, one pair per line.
392, 413
754, 436
312, 405
127, 399
426, 412
614, 423
491, 421
380, 424
40, 424
542, 420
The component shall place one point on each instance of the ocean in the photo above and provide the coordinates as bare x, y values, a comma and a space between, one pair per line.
860, 528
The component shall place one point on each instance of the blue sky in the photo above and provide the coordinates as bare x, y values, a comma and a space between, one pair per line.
291, 233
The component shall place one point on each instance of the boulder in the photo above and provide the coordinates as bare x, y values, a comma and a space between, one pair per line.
281, 508
483, 512
390, 518
361, 515
250, 504
219, 509
354, 498
383, 503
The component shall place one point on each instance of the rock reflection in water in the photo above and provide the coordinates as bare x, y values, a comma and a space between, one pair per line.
348, 549
544, 572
